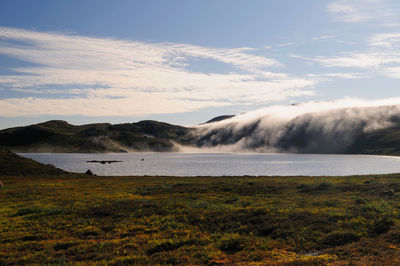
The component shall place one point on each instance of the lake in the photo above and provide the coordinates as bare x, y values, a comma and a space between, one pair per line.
220, 164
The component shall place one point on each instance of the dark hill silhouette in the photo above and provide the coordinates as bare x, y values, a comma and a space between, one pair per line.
60, 136
301, 134
12, 164
219, 118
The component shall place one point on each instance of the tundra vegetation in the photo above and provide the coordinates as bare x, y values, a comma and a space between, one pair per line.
53, 217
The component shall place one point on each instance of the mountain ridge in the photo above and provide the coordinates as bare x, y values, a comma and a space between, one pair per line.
302, 134
60, 136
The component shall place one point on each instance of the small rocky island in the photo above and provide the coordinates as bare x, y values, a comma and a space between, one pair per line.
104, 162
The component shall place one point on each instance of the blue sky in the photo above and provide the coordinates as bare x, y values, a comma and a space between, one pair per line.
185, 62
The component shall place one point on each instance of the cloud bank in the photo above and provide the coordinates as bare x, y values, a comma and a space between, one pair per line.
314, 127
111, 77
356, 11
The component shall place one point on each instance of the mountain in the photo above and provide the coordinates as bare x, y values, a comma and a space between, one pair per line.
381, 142
219, 118
352, 130
60, 136
372, 130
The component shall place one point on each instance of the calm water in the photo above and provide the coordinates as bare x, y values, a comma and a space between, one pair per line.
218, 164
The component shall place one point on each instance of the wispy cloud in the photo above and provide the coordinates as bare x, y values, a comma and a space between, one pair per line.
323, 37
392, 72
386, 40
286, 44
120, 77
356, 11
367, 60
329, 76
381, 56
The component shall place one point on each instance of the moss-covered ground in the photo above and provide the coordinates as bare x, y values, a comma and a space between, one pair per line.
78, 219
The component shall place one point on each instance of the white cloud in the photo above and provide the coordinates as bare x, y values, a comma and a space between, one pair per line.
297, 56
98, 106
286, 44
367, 60
393, 72
120, 77
386, 40
328, 76
323, 37
363, 60
381, 56
48, 91
355, 11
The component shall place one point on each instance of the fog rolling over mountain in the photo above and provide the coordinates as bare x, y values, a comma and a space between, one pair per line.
329, 127
344, 126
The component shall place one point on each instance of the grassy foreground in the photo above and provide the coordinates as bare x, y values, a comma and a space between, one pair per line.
200, 220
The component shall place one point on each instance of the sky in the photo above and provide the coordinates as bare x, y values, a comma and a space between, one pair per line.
186, 61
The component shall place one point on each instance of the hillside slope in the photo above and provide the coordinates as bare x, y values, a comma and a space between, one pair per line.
219, 118
372, 130
380, 142
329, 133
59, 136
12, 164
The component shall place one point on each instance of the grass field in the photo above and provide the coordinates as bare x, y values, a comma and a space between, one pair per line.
66, 218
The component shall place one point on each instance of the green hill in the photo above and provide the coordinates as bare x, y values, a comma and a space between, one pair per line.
59, 136
12, 164
380, 142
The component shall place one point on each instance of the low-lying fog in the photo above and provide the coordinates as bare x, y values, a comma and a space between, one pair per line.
312, 127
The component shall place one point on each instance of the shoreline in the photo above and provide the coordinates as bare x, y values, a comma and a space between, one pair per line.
50, 216
221, 164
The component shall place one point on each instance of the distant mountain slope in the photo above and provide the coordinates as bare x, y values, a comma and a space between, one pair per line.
352, 130
219, 118
372, 130
59, 136
12, 164
380, 142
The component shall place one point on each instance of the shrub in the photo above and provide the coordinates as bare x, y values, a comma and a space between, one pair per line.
132, 260
27, 211
360, 200
381, 225
383, 207
63, 246
394, 237
304, 187
340, 238
32, 238
314, 188
168, 245
331, 203
324, 186
231, 199
231, 243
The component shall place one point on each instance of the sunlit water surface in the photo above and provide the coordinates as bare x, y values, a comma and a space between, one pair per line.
220, 164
